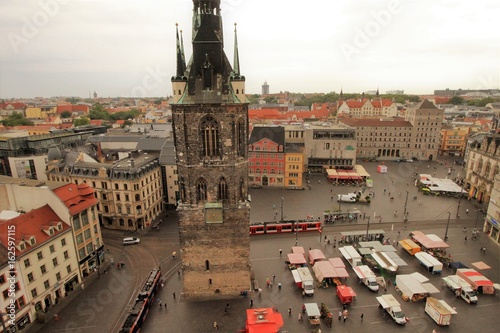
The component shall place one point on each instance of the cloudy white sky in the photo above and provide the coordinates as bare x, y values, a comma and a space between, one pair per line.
127, 48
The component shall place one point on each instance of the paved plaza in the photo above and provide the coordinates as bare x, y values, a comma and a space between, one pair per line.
101, 307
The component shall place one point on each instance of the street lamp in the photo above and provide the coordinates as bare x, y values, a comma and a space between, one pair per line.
282, 204
406, 204
367, 228
447, 225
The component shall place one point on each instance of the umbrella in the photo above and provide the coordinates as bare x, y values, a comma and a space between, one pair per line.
480, 265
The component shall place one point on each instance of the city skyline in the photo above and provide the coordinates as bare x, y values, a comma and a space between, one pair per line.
116, 48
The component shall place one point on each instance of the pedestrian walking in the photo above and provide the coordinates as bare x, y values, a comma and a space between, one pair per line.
251, 302
165, 305
179, 273
160, 305
279, 285
216, 326
173, 294
465, 239
340, 315
299, 316
362, 315
281, 252
173, 254
274, 277
465, 229
289, 311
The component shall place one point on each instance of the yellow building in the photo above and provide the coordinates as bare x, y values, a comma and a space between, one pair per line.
294, 165
40, 112
454, 141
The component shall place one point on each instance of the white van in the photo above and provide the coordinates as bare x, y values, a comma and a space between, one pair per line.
350, 197
131, 241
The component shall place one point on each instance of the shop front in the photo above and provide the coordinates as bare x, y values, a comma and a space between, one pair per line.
492, 228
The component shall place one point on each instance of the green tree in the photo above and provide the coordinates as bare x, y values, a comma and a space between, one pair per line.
456, 100
16, 119
66, 114
97, 111
270, 99
72, 100
81, 121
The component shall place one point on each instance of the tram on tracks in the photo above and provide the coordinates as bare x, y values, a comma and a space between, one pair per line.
143, 302
284, 227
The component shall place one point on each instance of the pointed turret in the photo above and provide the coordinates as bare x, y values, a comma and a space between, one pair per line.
181, 64
179, 81
236, 61
377, 93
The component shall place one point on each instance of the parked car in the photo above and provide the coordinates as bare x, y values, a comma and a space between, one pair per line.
131, 240
399, 160
350, 197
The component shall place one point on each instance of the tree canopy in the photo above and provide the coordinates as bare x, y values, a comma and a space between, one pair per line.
456, 100
99, 112
16, 119
81, 121
66, 114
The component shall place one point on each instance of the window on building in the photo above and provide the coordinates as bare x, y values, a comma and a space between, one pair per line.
26, 263
63, 242
79, 239
66, 255
34, 293
222, 190
54, 262
52, 249
209, 129
201, 190
76, 222
46, 284
31, 278
240, 137
81, 253
39, 255
43, 269
68, 269
58, 276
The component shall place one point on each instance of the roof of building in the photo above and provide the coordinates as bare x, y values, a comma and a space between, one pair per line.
355, 122
35, 223
76, 197
167, 154
294, 148
31, 182
151, 144
274, 133
425, 105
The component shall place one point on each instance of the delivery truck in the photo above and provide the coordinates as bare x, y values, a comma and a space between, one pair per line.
389, 304
345, 294
461, 288
367, 277
478, 281
306, 281
430, 262
439, 311
351, 255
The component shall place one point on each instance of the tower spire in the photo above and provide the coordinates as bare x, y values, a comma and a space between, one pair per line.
182, 52
181, 63
236, 61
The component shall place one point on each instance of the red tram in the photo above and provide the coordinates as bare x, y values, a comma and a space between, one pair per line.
143, 302
284, 227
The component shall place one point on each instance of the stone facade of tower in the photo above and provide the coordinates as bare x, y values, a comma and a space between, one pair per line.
210, 121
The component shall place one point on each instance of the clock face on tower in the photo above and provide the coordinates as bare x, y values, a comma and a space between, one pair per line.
213, 214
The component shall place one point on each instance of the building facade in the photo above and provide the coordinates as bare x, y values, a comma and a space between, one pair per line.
454, 141
491, 225
427, 121
129, 191
266, 156
48, 265
294, 165
482, 166
383, 139
210, 120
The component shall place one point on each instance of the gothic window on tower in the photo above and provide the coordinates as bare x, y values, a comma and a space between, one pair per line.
210, 137
240, 137
183, 189
242, 189
201, 190
222, 193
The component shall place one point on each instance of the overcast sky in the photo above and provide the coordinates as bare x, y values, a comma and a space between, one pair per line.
127, 48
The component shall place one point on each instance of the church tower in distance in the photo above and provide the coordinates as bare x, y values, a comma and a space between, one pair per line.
210, 122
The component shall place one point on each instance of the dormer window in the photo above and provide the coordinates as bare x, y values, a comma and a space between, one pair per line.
32, 240
59, 226
21, 246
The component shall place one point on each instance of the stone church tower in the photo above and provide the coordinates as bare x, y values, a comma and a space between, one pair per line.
210, 121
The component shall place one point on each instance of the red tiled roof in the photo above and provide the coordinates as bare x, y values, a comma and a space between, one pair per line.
97, 122
76, 198
31, 224
16, 106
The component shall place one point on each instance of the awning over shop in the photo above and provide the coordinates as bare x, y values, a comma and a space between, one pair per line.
428, 241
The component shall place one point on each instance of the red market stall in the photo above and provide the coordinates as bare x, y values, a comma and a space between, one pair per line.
263, 320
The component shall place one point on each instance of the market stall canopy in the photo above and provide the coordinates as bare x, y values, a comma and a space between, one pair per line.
480, 265
296, 259
430, 241
263, 320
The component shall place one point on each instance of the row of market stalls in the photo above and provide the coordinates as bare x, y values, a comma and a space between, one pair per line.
357, 175
327, 271
438, 186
